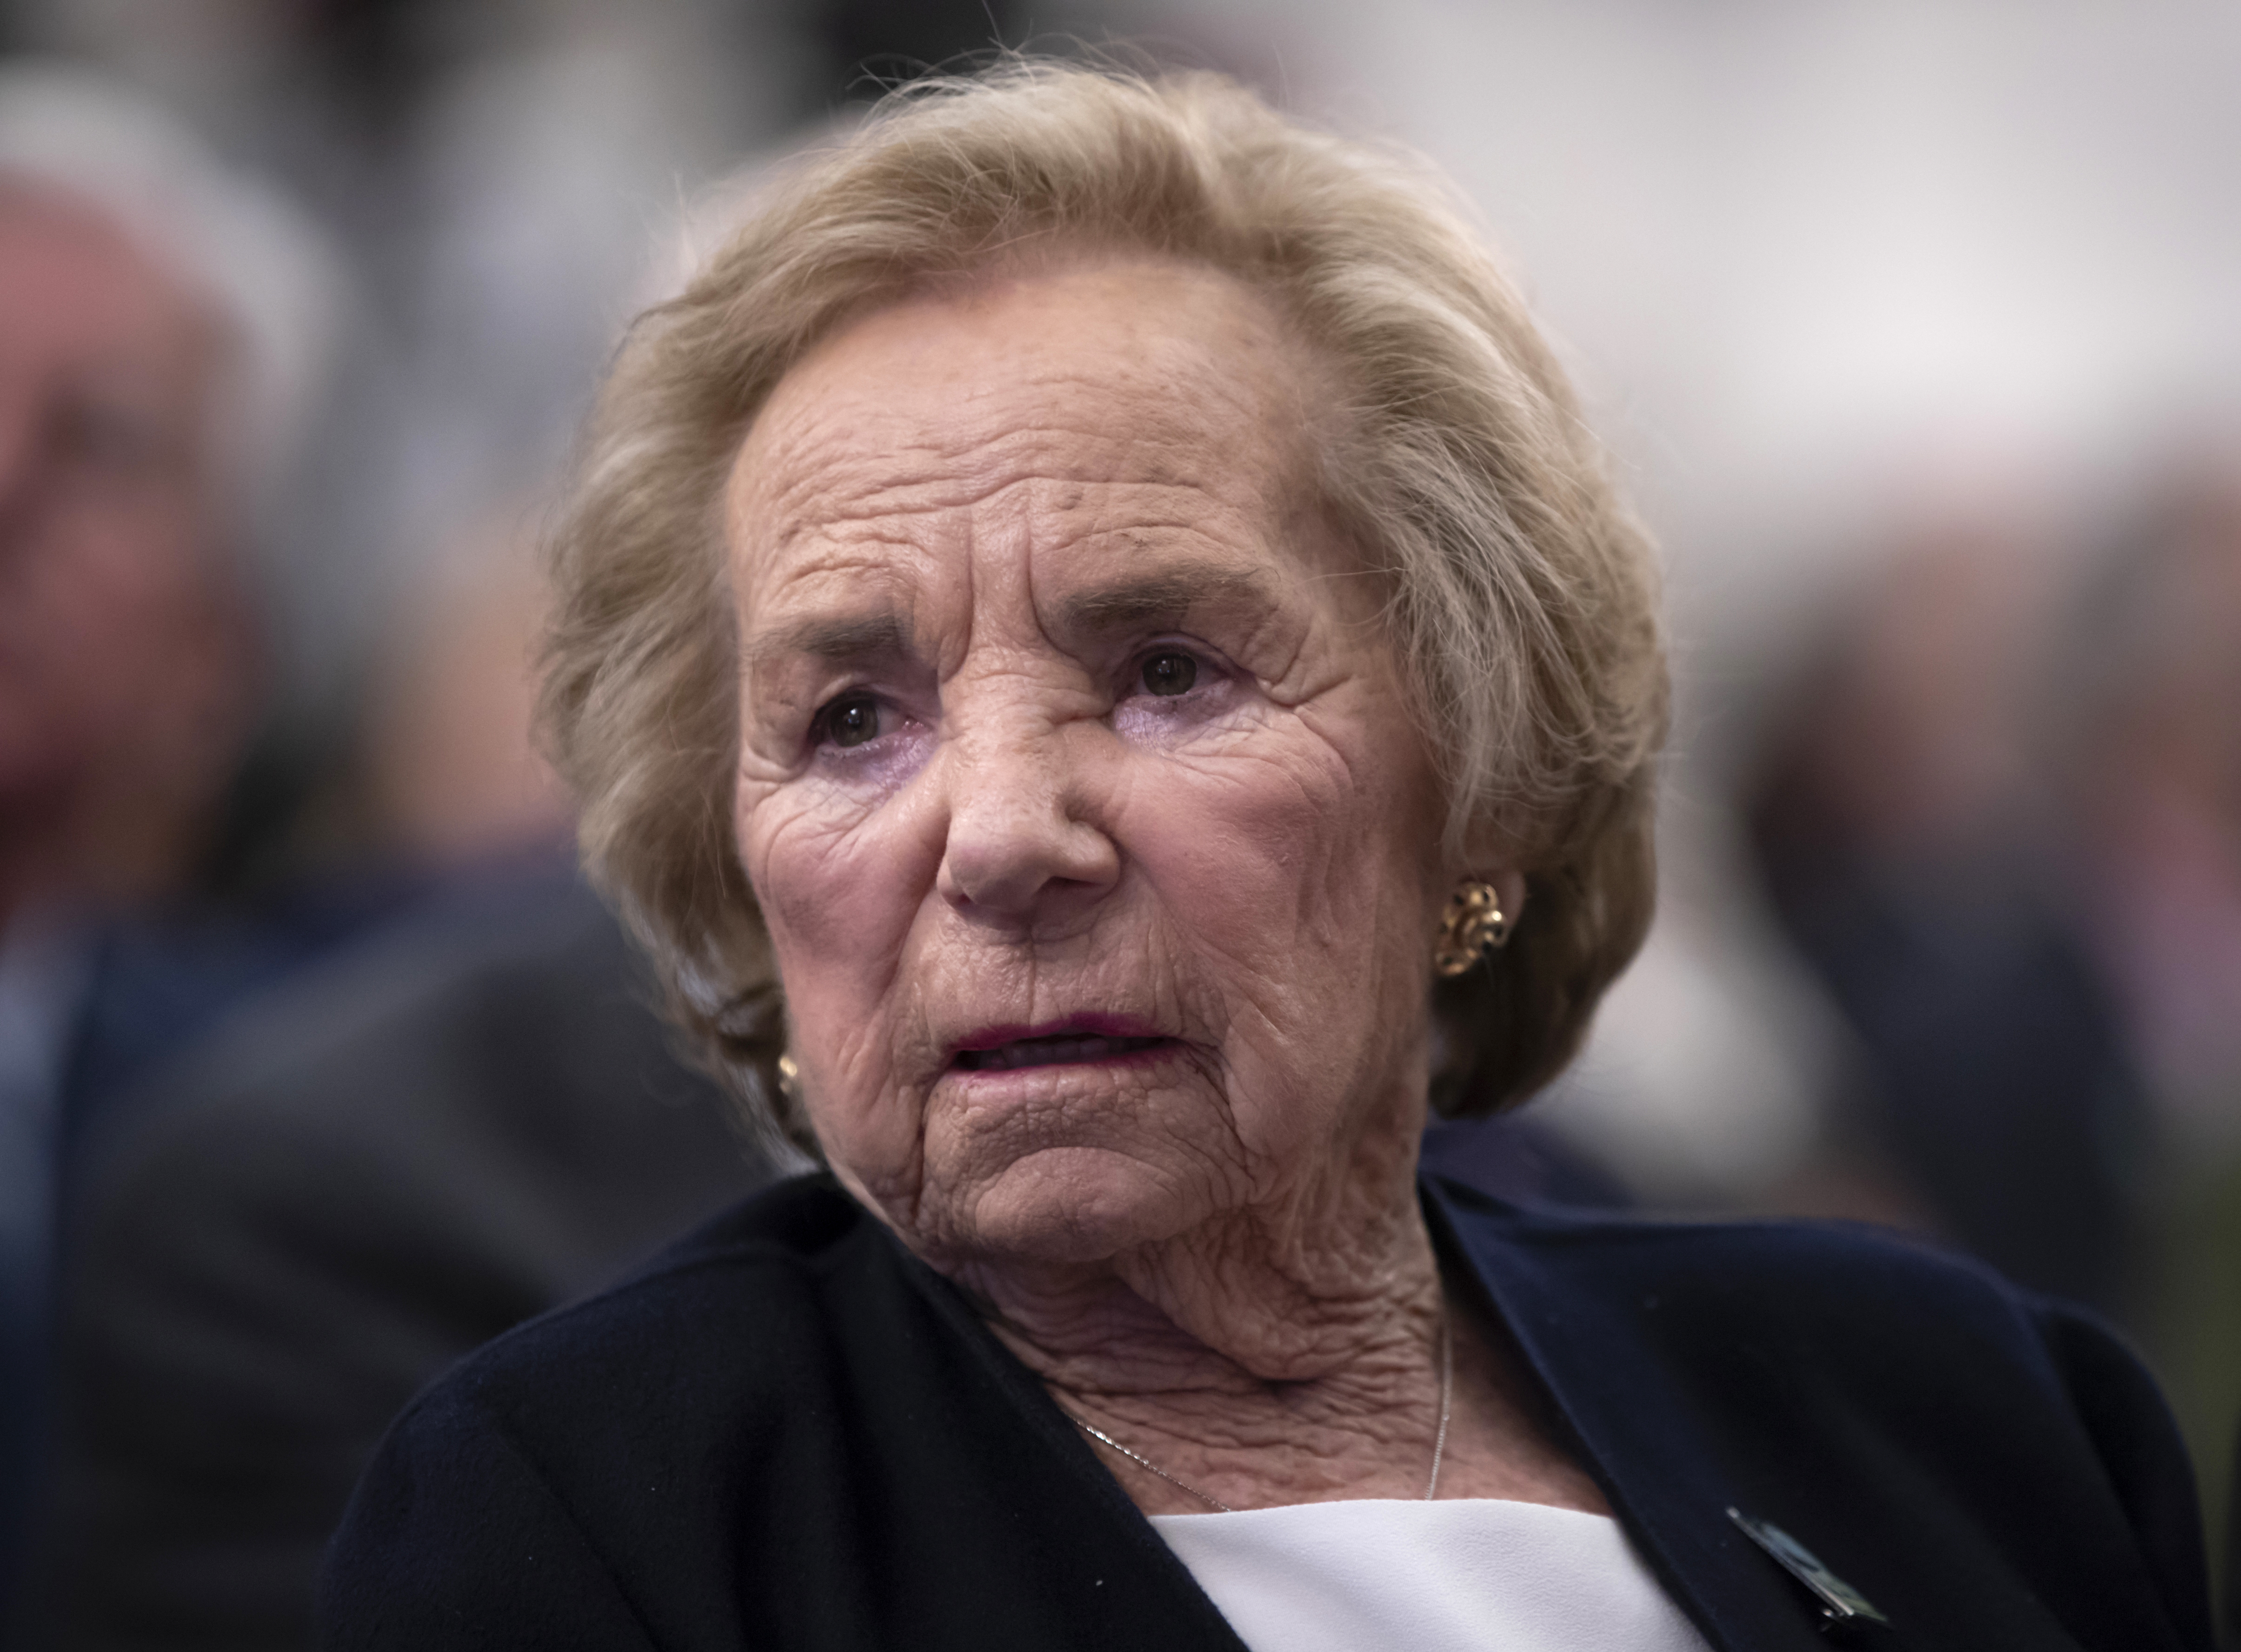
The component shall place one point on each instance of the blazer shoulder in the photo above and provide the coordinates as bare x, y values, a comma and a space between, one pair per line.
1844, 1306
1756, 1364
1777, 1262
1900, 1325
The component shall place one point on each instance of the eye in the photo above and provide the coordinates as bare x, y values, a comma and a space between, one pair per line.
850, 720
1169, 672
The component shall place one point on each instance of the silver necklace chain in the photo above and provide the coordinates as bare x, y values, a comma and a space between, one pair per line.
1439, 1440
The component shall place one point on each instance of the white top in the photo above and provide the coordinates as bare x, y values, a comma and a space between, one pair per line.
1465, 1575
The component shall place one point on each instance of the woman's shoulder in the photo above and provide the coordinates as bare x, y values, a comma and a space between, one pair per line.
1752, 1265
1843, 1304
785, 1431
1857, 1386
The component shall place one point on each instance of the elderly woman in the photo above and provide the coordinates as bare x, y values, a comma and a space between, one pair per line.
1099, 654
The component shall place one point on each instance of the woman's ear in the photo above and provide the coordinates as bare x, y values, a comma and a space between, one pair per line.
1491, 855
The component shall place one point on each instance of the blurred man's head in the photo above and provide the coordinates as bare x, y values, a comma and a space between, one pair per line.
125, 659
165, 329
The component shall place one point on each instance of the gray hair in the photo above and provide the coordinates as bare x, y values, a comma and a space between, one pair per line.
1522, 595
264, 273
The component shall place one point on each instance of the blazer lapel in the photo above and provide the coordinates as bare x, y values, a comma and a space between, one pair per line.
1635, 1429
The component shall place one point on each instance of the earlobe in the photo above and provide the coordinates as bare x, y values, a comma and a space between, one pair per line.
1510, 888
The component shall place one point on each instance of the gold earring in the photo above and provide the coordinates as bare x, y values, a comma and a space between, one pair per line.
789, 1079
1472, 926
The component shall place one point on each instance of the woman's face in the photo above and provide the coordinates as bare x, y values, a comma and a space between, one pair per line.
1075, 782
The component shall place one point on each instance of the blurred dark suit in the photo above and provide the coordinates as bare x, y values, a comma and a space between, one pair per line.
461, 1122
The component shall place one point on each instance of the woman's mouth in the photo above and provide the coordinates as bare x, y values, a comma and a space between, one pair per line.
1085, 1038
1054, 1051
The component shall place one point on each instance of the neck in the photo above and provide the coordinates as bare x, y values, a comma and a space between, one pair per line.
1241, 1303
1278, 1354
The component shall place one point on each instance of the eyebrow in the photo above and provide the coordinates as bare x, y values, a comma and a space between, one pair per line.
1157, 599
1153, 601
845, 639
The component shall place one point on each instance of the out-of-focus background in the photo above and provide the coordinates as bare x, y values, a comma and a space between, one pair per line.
1915, 326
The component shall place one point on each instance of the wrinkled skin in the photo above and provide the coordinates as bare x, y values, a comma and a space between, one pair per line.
1065, 715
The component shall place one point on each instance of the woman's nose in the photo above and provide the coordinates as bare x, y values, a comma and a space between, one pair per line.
1018, 844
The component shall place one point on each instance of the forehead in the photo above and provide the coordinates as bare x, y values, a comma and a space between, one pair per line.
1144, 397
70, 280
49, 236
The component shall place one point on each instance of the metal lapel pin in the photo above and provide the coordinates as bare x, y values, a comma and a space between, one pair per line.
1840, 1601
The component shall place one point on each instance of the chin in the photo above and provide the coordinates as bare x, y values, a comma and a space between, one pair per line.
1072, 1206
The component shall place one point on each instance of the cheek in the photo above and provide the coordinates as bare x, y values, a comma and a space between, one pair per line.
1299, 870
827, 894
1303, 839
839, 889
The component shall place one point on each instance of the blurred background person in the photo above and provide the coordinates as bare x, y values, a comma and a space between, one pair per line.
2142, 713
1909, 847
1997, 810
165, 332
393, 1151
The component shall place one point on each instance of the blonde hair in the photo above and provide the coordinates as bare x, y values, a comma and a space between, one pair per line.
1522, 595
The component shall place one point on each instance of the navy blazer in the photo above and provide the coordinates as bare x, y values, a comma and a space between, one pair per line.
790, 1433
